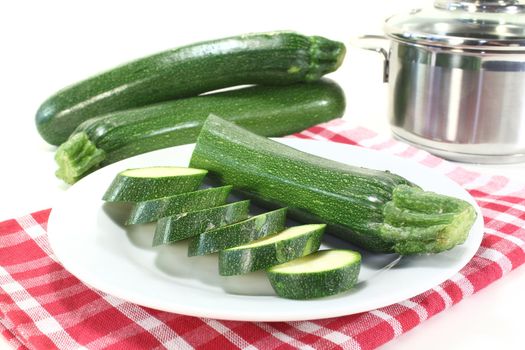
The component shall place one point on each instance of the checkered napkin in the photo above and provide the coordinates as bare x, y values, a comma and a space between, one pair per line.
42, 306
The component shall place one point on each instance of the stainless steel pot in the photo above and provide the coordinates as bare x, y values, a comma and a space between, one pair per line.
456, 75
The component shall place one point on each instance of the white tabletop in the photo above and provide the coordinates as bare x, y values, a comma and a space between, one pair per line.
46, 46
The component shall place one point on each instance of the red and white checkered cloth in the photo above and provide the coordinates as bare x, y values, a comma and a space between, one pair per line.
42, 306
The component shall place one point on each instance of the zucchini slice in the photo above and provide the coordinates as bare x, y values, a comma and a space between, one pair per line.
239, 233
142, 184
152, 210
321, 274
181, 226
268, 251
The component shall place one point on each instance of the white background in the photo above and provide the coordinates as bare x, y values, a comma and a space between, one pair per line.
46, 45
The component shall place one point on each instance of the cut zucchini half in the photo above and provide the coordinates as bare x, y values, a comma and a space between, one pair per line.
239, 233
321, 274
353, 201
268, 251
185, 225
142, 184
152, 210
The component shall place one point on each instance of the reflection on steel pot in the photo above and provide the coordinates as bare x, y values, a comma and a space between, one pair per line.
457, 79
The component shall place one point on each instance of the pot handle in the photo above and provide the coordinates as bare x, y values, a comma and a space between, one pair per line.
376, 43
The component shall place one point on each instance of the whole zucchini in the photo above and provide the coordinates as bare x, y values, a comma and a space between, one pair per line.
266, 110
266, 58
377, 210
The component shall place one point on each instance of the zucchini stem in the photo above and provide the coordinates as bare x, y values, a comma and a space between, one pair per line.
76, 157
419, 222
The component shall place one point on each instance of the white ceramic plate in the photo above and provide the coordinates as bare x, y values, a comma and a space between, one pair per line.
88, 239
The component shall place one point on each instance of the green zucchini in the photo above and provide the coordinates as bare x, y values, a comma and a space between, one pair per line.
181, 226
268, 251
321, 274
142, 184
277, 58
239, 233
265, 110
353, 201
152, 210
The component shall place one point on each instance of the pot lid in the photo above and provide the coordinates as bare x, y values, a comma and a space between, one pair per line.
475, 24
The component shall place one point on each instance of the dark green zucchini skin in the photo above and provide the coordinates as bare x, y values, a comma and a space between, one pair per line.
311, 187
137, 189
350, 199
238, 233
152, 210
265, 110
240, 260
312, 285
185, 225
277, 58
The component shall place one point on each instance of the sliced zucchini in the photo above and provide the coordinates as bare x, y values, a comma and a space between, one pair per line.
268, 251
181, 226
155, 209
321, 274
239, 233
142, 184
